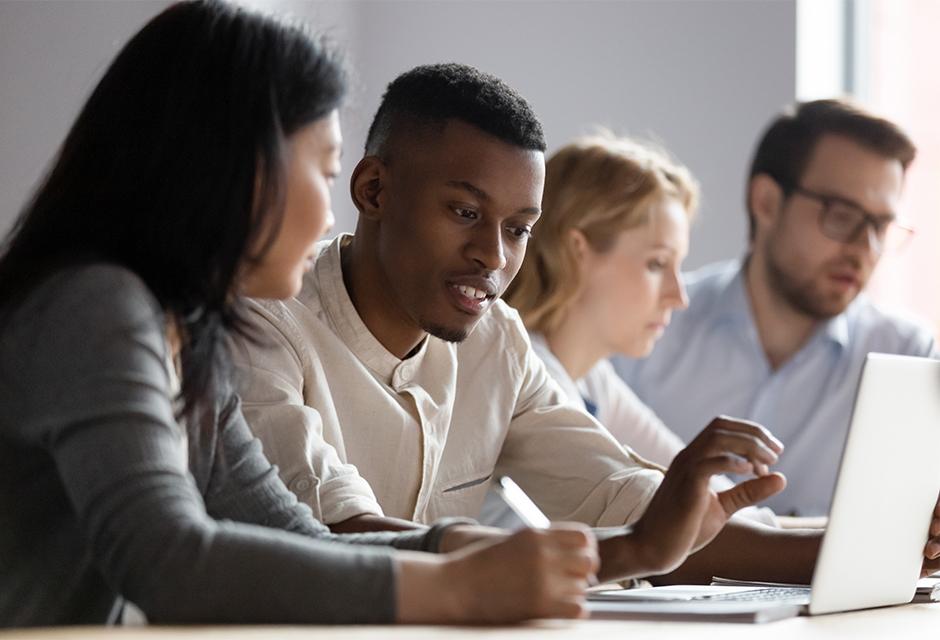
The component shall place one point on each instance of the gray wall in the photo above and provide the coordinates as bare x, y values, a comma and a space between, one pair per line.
699, 76
51, 56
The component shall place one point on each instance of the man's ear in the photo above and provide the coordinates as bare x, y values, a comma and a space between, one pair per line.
765, 198
367, 187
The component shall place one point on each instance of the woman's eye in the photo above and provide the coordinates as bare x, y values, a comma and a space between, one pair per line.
521, 233
469, 214
656, 265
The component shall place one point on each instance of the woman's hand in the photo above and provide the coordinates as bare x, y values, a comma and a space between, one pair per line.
685, 514
462, 535
530, 574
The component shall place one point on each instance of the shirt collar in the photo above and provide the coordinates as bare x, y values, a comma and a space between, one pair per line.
734, 306
836, 329
344, 318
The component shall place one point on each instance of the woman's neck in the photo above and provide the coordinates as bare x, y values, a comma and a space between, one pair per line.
576, 349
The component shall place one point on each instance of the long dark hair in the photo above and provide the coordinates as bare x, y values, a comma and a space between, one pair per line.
174, 169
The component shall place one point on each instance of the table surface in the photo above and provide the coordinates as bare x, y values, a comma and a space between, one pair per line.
914, 620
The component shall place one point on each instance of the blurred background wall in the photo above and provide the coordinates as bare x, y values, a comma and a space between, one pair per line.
701, 77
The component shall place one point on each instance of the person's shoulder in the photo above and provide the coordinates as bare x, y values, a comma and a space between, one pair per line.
890, 329
99, 292
501, 320
81, 318
499, 331
711, 279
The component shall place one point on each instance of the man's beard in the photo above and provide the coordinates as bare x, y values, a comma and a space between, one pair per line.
802, 295
445, 333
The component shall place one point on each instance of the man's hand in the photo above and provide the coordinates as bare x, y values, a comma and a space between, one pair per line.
932, 549
685, 514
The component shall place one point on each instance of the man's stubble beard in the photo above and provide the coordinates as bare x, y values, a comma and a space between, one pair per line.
801, 296
445, 333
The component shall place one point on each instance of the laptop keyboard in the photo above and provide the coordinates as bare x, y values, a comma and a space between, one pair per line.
769, 594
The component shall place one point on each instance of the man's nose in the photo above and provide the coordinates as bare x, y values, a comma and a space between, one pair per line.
486, 247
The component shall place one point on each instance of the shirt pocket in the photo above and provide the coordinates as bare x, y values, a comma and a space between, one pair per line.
463, 496
466, 485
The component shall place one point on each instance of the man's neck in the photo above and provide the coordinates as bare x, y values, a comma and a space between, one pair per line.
782, 329
370, 293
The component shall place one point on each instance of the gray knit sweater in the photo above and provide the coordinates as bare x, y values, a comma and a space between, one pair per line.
103, 497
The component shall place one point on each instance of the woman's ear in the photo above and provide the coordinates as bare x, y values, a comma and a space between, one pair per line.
765, 198
579, 246
367, 187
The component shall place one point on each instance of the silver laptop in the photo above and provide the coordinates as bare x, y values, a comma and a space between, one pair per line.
885, 493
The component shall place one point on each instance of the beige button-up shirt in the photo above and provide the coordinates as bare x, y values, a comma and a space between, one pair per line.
356, 430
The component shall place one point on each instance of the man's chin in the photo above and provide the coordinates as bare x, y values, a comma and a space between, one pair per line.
448, 334
825, 308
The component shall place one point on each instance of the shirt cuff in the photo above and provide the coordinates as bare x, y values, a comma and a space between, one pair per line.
346, 497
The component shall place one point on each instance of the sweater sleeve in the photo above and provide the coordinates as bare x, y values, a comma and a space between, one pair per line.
246, 487
98, 400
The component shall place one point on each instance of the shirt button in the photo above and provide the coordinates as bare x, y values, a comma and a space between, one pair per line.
302, 485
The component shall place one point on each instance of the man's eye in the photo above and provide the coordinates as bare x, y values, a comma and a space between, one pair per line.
521, 233
882, 224
469, 214
844, 216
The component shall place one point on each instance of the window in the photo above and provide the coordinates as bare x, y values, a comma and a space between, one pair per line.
885, 53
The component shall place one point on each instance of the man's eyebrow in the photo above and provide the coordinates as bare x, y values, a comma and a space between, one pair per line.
663, 245
468, 186
485, 197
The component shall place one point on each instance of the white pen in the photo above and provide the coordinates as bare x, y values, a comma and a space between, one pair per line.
516, 499
521, 504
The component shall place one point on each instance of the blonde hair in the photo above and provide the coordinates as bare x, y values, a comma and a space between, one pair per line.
600, 185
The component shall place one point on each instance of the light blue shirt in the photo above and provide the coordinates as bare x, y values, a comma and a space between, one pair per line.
710, 362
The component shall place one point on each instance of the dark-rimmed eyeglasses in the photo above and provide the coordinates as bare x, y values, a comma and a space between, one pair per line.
844, 221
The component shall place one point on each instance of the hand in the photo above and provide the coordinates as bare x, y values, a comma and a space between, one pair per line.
685, 514
932, 549
462, 535
531, 574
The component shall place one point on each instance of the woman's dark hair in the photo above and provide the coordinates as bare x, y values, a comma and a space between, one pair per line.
175, 170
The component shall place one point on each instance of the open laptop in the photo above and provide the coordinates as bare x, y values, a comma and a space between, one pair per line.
884, 496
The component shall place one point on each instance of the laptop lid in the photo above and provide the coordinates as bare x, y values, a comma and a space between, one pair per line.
886, 490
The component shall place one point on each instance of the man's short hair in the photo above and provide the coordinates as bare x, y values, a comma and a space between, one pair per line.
430, 95
786, 146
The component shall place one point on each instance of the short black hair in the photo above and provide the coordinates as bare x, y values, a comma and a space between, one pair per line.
432, 94
786, 146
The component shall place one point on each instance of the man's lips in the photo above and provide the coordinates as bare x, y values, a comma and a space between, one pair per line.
472, 294
846, 278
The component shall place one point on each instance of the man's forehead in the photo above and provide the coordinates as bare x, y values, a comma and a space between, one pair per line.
464, 154
835, 154
840, 166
